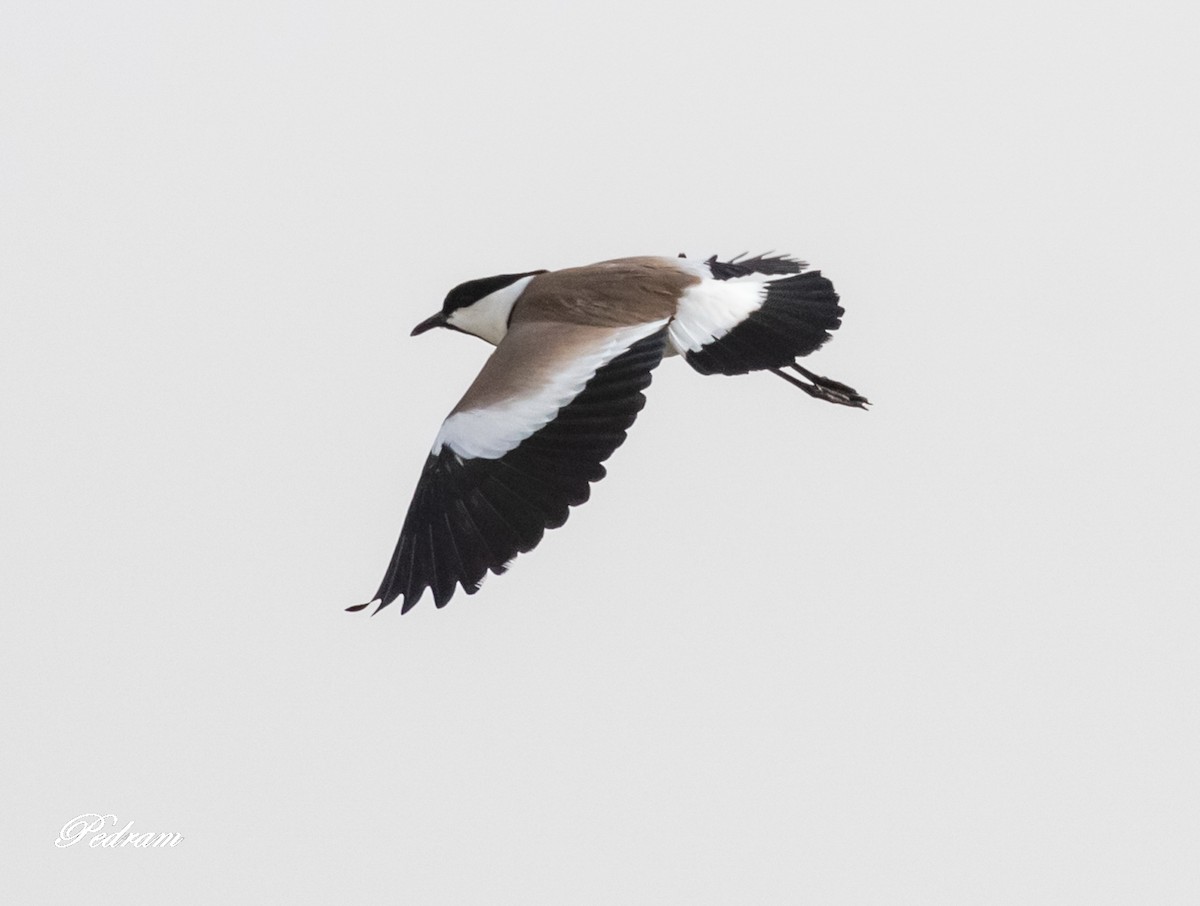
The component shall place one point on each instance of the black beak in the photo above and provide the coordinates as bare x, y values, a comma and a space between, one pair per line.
438, 320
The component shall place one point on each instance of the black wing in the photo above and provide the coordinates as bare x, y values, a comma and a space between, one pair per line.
471, 515
795, 318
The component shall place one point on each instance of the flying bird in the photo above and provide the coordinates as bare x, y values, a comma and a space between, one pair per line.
574, 351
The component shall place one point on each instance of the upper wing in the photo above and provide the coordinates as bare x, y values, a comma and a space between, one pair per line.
550, 405
754, 313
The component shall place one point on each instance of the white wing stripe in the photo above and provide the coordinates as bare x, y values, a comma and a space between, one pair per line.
492, 431
711, 308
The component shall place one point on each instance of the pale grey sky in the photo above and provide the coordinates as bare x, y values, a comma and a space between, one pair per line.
940, 652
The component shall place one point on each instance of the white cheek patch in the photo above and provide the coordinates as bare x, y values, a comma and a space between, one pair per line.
711, 308
488, 318
492, 431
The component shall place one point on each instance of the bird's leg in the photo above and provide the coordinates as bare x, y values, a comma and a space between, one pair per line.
823, 388
827, 383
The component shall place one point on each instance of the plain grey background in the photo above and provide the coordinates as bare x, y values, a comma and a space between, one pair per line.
940, 652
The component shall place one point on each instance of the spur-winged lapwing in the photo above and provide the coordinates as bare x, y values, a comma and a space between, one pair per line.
574, 351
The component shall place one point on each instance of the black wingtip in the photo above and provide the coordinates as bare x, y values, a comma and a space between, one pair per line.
355, 608
767, 263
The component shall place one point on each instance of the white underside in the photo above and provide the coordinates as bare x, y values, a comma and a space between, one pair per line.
708, 310
491, 432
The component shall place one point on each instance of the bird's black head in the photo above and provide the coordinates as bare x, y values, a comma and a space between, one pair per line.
476, 306
466, 294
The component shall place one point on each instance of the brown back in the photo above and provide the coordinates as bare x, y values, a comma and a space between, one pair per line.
608, 294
